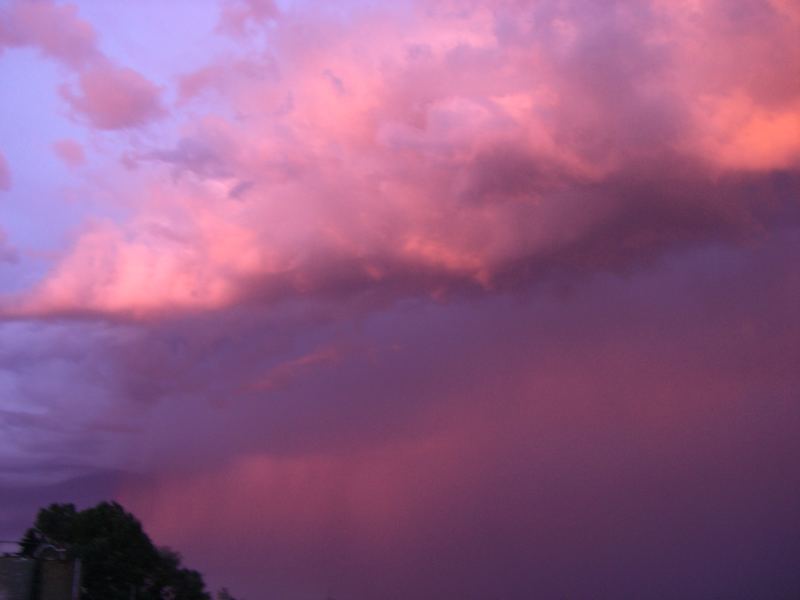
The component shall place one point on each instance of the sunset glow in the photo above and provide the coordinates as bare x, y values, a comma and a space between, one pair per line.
426, 299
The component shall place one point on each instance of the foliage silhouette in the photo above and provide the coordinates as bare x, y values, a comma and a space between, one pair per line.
119, 561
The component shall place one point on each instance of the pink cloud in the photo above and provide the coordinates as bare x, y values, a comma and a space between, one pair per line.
492, 434
493, 299
285, 373
54, 28
618, 421
237, 15
5, 174
112, 97
71, 152
462, 150
8, 253
424, 152
226, 76
108, 96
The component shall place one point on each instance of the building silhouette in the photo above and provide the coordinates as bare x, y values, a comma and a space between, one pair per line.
48, 575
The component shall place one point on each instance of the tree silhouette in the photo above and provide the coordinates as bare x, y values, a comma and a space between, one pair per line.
224, 594
119, 560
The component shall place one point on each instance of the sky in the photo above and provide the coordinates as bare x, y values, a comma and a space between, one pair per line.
418, 299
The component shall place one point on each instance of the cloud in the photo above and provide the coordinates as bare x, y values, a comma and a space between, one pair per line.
7, 252
108, 96
5, 174
285, 373
112, 97
493, 432
491, 147
476, 296
71, 152
237, 15
21, 503
54, 28
484, 433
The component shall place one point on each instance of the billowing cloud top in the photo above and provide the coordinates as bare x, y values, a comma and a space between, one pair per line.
433, 147
501, 286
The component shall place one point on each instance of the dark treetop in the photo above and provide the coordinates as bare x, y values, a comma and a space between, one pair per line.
119, 561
